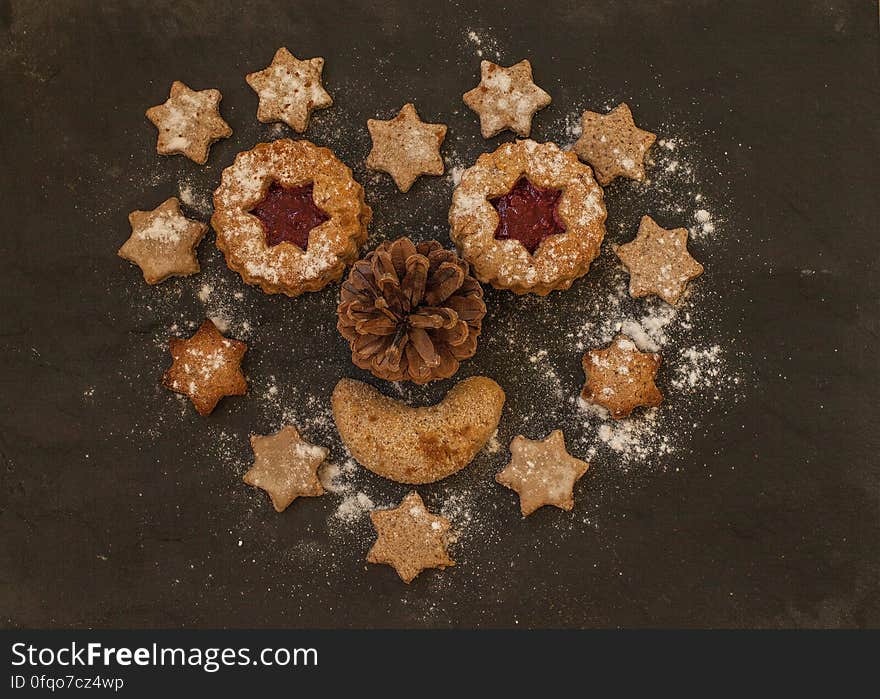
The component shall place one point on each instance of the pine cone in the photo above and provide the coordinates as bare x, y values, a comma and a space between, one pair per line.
411, 312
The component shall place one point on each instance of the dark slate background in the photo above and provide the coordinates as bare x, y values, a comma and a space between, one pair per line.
105, 524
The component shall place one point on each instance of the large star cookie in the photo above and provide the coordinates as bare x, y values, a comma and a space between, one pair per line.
206, 367
659, 262
285, 466
163, 242
620, 378
613, 144
289, 89
406, 147
189, 122
506, 98
410, 539
542, 472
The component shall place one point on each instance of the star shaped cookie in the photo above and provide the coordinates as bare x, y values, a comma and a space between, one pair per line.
542, 472
620, 378
206, 367
406, 147
289, 89
286, 466
613, 145
410, 539
189, 122
163, 242
659, 262
506, 98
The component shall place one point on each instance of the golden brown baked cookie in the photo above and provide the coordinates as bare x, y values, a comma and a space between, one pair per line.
417, 445
613, 144
289, 216
542, 472
528, 217
163, 242
206, 367
410, 539
285, 466
620, 378
406, 147
506, 98
411, 312
659, 262
189, 122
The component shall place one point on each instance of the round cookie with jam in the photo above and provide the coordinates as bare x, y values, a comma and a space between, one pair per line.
289, 216
528, 217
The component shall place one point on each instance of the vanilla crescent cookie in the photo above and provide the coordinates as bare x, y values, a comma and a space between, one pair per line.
528, 217
289, 216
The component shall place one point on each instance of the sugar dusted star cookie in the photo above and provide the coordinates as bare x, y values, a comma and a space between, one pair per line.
406, 147
613, 144
206, 367
506, 98
286, 466
410, 539
289, 89
620, 378
542, 472
659, 262
163, 242
189, 122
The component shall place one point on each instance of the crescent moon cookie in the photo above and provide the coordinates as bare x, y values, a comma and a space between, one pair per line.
529, 217
417, 445
289, 216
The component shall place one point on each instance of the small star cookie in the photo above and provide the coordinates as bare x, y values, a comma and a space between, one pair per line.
406, 147
542, 472
410, 539
613, 145
163, 242
289, 89
506, 98
286, 466
206, 367
620, 378
189, 122
659, 262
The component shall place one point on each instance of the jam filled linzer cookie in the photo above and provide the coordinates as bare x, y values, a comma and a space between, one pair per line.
189, 122
163, 242
613, 144
506, 98
659, 262
206, 367
406, 147
528, 217
620, 378
417, 445
411, 312
410, 539
289, 216
289, 89
542, 472
285, 466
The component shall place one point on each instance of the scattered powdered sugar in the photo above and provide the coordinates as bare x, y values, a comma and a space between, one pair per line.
197, 201
483, 44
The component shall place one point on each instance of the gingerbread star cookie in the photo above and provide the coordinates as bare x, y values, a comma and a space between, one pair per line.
289, 89
542, 472
189, 122
410, 539
206, 367
406, 147
659, 262
163, 242
286, 466
506, 98
620, 378
613, 144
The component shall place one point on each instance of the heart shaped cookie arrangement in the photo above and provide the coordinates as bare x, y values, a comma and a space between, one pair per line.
528, 217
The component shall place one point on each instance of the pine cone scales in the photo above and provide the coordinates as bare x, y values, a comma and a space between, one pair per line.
411, 312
